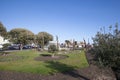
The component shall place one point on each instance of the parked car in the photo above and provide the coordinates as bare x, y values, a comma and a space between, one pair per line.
27, 47
14, 47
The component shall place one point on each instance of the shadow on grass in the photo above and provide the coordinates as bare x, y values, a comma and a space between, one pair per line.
65, 69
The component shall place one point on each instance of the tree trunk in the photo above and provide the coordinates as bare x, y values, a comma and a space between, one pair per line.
53, 55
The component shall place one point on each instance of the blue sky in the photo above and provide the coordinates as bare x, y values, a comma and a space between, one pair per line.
69, 19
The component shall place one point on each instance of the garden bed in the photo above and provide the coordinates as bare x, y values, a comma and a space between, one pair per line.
47, 57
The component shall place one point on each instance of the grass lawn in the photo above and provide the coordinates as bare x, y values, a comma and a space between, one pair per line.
23, 61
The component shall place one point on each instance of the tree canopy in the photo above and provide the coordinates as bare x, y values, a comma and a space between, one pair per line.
3, 31
43, 38
19, 35
24, 36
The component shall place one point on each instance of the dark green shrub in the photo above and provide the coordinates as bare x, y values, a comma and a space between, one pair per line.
52, 49
45, 54
5, 46
106, 48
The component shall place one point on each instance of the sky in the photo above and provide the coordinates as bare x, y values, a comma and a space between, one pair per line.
68, 19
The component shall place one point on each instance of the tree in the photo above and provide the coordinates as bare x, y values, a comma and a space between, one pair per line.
68, 43
23, 36
43, 38
107, 48
52, 49
75, 44
3, 31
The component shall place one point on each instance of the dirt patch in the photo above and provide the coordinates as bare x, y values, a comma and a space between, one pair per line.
89, 73
50, 58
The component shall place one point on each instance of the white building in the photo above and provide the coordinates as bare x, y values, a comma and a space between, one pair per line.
57, 44
52, 43
3, 41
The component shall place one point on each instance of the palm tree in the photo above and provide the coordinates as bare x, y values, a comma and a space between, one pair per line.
67, 42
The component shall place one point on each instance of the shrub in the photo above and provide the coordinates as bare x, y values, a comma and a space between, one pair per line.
107, 48
52, 49
5, 46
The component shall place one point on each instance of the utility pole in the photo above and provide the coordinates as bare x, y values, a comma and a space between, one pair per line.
73, 44
57, 42
84, 43
88, 41
43, 41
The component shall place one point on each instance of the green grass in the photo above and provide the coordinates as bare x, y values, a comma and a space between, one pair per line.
76, 59
26, 62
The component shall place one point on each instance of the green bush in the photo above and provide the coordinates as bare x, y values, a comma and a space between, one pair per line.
45, 54
5, 46
52, 49
107, 48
